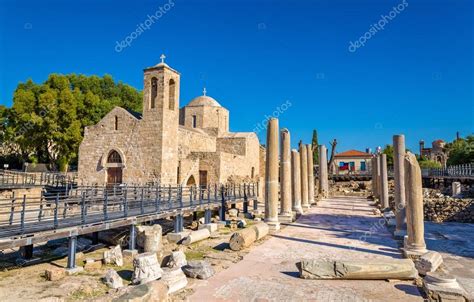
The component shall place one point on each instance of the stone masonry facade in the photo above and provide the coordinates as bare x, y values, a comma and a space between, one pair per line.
166, 144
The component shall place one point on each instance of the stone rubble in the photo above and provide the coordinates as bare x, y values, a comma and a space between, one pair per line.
150, 238
114, 256
174, 278
146, 268
177, 259
428, 262
112, 279
54, 274
198, 269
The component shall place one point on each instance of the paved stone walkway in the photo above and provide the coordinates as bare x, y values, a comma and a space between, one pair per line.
335, 229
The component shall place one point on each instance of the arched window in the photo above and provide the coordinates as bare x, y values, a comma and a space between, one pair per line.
114, 158
194, 121
191, 181
154, 92
116, 123
253, 172
172, 94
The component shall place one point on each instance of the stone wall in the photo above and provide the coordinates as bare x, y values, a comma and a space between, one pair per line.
194, 140
99, 140
234, 145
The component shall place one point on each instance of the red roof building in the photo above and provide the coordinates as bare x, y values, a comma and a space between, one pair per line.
352, 162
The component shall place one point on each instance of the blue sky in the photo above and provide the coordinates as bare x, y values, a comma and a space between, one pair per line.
414, 76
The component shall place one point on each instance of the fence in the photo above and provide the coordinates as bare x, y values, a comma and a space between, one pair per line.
462, 171
18, 179
85, 205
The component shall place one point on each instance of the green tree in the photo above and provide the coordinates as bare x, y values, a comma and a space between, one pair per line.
46, 121
461, 151
314, 147
388, 150
429, 164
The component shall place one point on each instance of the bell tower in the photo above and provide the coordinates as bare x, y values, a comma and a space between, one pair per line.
160, 120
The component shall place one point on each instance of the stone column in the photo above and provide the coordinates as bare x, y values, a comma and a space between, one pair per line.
415, 242
309, 154
271, 176
374, 177
379, 184
399, 175
456, 189
304, 176
296, 181
323, 171
384, 181
285, 178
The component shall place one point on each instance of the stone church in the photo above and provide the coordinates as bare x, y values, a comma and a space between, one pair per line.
167, 144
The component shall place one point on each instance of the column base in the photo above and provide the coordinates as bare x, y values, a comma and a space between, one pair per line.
298, 210
306, 206
439, 286
414, 253
273, 226
287, 217
74, 270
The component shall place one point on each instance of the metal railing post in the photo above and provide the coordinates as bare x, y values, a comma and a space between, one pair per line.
12, 209
56, 208
40, 213
157, 199
170, 201
106, 205
223, 204
83, 208
125, 203
142, 208
23, 209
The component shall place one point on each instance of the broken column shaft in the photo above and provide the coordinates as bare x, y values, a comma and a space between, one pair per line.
415, 243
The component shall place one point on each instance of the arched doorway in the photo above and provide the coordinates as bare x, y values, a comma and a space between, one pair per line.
114, 168
191, 181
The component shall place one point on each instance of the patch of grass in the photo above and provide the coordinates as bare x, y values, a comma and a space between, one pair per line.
82, 294
87, 293
225, 230
194, 255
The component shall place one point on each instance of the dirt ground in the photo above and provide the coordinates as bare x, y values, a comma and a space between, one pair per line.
29, 283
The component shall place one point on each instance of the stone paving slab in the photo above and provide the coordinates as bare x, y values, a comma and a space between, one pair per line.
455, 242
338, 228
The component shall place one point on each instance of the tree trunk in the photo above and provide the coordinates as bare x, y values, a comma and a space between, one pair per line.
331, 160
